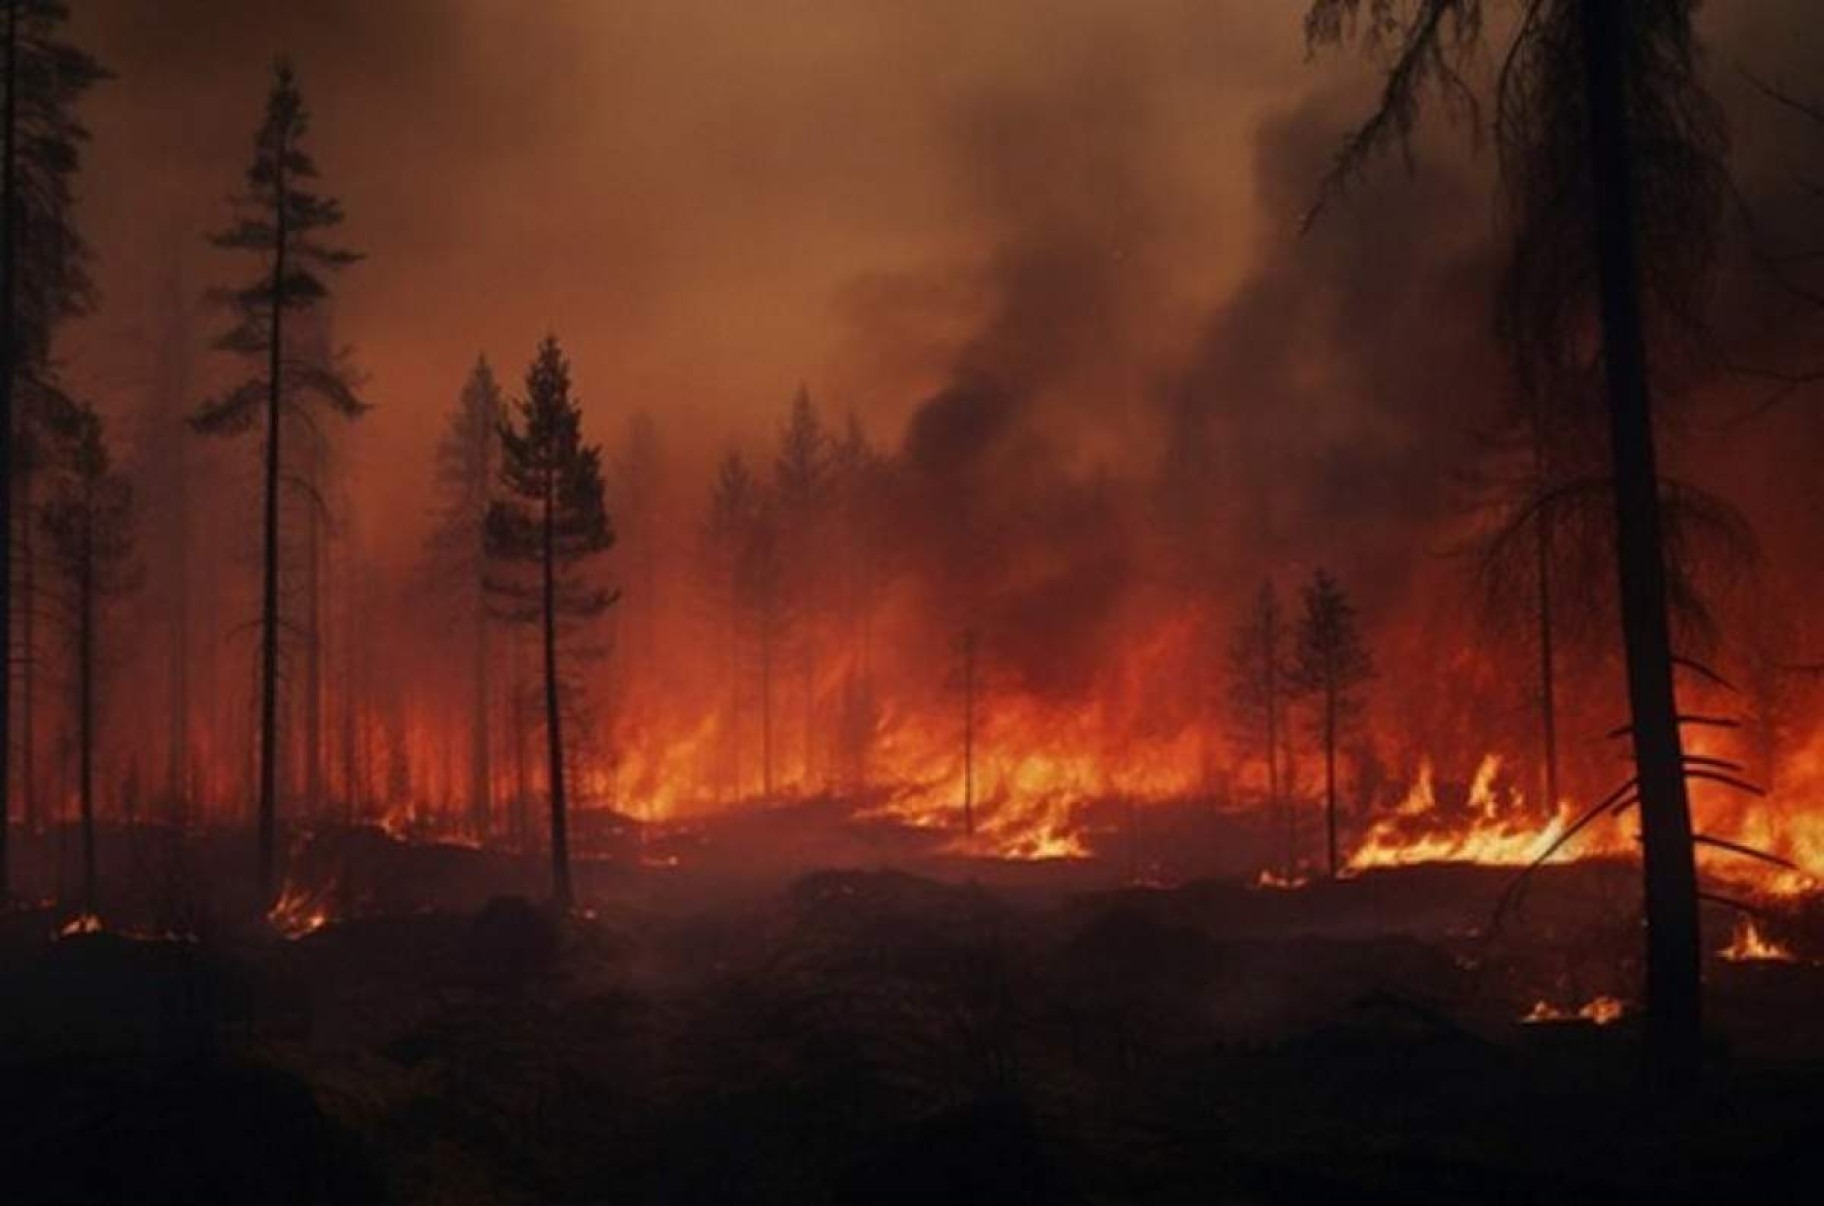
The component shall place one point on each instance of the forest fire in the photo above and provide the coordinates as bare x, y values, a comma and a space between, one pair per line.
981, 603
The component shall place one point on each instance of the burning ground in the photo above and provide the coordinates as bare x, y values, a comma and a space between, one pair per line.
846, 1035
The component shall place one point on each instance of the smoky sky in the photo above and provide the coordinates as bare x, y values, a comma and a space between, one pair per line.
1086, 208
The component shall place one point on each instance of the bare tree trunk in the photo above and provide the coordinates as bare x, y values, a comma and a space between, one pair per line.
734, 692
522, 774
28, 649
766, 707
969, 732
809, 671
269, 607
350, 740
1330, 776
313, 610
554, 733
9, 368
85, 704
177, 667
1674, 1022
1548, 685
1276, 788
481, 769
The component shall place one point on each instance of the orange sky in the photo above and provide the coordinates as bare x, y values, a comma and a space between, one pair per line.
699, 196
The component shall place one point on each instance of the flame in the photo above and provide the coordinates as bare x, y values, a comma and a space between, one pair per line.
82, 923
1276, 881
1749, 945
1493, 826
1600, 1011
298, 913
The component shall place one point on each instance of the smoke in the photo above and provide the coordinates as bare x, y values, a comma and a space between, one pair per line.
1047, 253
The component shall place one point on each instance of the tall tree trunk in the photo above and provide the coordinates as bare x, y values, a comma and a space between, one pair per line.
1276, 789
734, 690
9, 368
969, 733
766, 706
1674, 1025
1330, 777
177, 668
809, 671
1548, 679
28, 645
269, 605
313, 609
481, 769
554, 733
85, 702
350, 693
522, 772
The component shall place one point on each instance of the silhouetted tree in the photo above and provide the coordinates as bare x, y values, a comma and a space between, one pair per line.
553, 520
1610, 153
766, 614
803, 489
857, 473
722, 541
1329, 668
164, 462
89, 529
1260, 677
279, 220
43, 275
468, 466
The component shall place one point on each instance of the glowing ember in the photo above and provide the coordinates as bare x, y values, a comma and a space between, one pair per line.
298, 913
1275, 881
1749, 945
84, 923
1600, 1011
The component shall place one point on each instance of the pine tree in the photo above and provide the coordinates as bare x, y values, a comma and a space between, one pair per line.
468, 466
279, 220
766, 613
1260, 681
803, 488
43, 280
88, 526
1330, 666
857, 471
553, 520
722, 539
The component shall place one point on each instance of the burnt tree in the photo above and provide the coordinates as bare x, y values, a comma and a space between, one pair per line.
282, 223
553, 519
468, 466
1611, 164
1330, 665
1259, 683
88, 524
43, 280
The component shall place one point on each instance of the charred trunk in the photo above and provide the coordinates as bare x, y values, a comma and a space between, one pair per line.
554, 732
269, 607
1673, 959
9, 368
85, 705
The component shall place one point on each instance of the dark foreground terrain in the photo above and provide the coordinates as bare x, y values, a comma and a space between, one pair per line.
857, 1036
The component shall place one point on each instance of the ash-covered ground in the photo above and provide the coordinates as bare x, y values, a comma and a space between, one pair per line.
953, 1031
